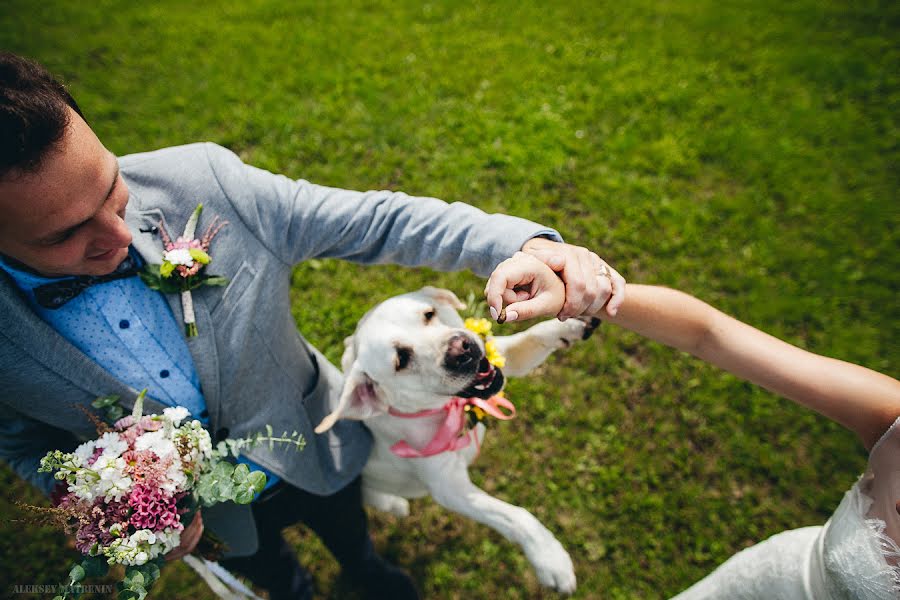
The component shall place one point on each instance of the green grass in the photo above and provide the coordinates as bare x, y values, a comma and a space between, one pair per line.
744, 151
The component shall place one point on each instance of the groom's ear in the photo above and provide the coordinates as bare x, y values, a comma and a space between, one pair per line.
359, 400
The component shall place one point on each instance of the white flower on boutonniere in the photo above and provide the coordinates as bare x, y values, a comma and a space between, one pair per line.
183, 265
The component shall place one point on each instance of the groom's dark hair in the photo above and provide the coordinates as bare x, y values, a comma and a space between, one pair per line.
33, 115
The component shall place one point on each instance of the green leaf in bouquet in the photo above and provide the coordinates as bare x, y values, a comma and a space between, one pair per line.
241, 472
203, 491
223, 470
257, 480
244, 495
128, 594
104, 401
76, 574
114, 413
225, 490
150, 572
133, 578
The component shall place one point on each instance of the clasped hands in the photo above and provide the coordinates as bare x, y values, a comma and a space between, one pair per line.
548, 277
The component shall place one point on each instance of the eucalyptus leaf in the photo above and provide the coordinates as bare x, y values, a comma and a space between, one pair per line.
226, 489
76, 574
223, 470
257, 480
133, 577
151, 572
240, 473
244, 496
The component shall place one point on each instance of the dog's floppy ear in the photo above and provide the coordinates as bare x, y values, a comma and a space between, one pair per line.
359, 400
442, 295
349, 356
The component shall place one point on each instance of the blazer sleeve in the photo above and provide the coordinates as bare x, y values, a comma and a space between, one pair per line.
298, 220
24, 442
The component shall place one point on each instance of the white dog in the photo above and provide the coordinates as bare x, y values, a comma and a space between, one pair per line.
408, 359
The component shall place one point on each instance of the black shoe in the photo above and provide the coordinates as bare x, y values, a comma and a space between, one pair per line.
302, 586
380, 580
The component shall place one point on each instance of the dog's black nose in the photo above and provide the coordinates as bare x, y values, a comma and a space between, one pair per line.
462, 354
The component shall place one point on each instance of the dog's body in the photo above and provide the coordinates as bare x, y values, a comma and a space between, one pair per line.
408, 357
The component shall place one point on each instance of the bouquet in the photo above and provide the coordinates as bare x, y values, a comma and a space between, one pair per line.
129, 493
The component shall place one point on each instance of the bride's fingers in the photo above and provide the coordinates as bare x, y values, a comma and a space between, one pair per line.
618, 292
509, 296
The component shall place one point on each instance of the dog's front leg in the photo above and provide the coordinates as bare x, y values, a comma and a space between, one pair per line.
448, 482
528, 349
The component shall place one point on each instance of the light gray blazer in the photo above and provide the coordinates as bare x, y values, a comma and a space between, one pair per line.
254, 366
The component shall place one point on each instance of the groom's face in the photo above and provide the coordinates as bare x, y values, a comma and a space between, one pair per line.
67, 218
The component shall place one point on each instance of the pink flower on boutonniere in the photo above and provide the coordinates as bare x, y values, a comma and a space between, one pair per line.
184, 261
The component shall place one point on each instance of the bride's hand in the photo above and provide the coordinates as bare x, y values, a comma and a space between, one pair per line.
527, 286
189, 538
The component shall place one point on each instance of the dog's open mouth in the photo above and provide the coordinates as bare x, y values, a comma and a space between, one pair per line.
488, 381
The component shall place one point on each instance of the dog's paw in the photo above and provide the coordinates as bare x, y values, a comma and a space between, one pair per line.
553, 567
573, 330
399, 507
389, 503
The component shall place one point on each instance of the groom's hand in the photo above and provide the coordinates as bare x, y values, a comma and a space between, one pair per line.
591, 284
189, 538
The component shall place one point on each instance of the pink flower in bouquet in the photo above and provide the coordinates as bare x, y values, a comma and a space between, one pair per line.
96, 521
130, 429
144, 466
153, 509
124, 423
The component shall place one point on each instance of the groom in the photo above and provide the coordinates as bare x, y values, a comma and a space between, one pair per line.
72, 213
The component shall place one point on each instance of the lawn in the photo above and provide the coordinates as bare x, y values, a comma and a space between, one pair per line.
744, 151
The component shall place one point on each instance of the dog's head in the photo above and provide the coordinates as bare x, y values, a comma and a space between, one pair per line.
411, 353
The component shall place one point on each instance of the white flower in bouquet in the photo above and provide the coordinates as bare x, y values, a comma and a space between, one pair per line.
176, 414
193, 444
175, 480
85, 452
157, 442
142, 546
113, 483
112, 444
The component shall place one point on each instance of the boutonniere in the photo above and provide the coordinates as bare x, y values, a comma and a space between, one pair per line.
184, 266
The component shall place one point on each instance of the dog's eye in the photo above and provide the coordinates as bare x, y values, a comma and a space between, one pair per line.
429, 315
404, 355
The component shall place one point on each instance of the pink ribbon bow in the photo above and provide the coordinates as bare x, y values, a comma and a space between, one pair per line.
452, 433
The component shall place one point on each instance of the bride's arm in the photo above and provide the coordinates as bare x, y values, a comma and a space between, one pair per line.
862, 400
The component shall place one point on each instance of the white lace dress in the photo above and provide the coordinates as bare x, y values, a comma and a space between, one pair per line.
854, 555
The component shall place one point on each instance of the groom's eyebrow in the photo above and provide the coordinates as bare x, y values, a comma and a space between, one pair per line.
67, 231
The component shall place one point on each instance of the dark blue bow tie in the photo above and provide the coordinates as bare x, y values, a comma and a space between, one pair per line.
55, 294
